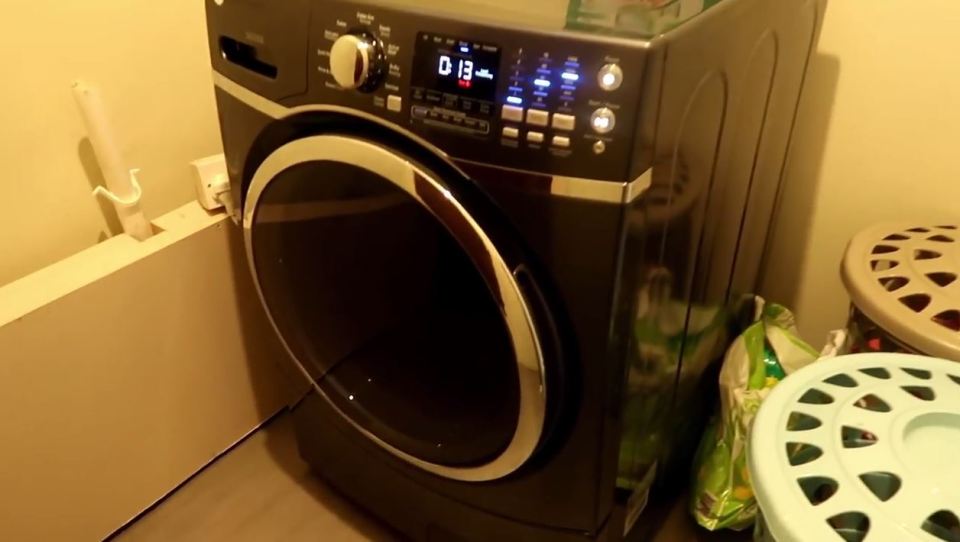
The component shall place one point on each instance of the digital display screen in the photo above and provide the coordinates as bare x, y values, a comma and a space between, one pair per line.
457, 66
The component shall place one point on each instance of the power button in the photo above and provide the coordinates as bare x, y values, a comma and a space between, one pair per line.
610, 77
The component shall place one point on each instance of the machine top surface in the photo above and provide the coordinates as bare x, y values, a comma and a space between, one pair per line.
640, 19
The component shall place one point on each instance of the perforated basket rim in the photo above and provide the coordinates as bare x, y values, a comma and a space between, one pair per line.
917, 329
788, 515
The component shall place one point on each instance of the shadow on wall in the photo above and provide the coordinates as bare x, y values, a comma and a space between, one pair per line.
788, 252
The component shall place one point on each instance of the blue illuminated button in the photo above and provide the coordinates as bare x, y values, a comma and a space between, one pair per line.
515, 100
542, 83
570, 76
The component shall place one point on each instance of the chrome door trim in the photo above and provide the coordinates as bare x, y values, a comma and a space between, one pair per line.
569, 187
440, 202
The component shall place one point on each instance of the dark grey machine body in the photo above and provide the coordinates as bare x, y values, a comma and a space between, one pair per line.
629, 258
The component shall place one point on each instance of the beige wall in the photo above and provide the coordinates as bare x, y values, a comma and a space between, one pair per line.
878, 138
150, 60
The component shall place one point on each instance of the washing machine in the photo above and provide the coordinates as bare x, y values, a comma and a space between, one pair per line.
503, 241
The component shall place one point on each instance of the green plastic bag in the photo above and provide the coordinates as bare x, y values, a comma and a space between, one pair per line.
758, 360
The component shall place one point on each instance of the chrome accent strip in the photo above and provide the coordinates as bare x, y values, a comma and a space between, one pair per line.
586, 189
569, 187
638, 186
515, 308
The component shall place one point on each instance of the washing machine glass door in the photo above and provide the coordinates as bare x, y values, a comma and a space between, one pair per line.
400, 307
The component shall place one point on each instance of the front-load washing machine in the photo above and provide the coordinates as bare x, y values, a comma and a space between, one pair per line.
502, 240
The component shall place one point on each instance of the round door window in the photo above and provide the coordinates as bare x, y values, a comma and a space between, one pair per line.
379, 301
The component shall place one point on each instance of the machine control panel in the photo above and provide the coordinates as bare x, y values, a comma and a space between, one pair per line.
520, 99
454, 85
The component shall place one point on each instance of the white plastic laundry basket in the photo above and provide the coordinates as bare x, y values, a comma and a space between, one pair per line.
861, 448
903, 281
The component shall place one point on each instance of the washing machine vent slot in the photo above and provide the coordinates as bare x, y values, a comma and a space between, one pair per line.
892, 284
884, 249
800, 453
942, 279
842, 380
818, 489
921, 392
944, 525
857, 438
924, 254
884, 265
851, 526
802, 422
949, 319
877, 372
816, 397
882, 484
916, 302
919, 373
874, 403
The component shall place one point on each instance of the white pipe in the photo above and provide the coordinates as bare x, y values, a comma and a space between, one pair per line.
122, 187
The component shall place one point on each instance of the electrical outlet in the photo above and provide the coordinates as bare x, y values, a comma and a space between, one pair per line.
210, 181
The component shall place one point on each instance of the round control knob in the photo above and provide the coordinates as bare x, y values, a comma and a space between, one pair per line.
357, 61
603, 120
610, 77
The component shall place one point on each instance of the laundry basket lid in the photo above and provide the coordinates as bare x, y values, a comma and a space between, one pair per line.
861, 447
904, 277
